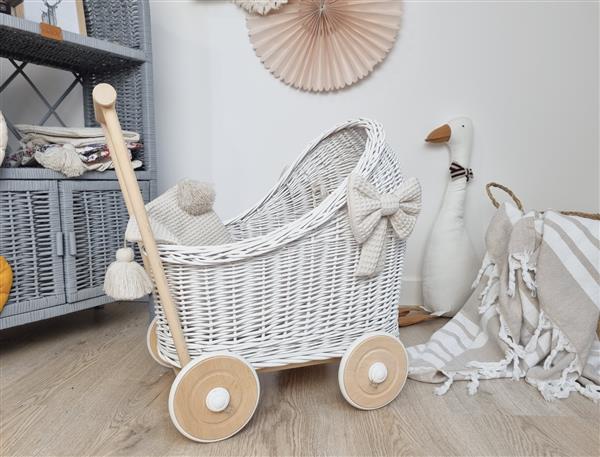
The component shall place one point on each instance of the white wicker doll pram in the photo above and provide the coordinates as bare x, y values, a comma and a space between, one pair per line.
283, 294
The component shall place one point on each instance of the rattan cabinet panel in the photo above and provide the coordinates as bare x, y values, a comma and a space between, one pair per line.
94, 219
118, 21
31, 241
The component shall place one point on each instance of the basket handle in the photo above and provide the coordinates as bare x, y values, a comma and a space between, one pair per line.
593, 216
488, 189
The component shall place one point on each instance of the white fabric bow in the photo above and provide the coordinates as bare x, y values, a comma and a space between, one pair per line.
369, 213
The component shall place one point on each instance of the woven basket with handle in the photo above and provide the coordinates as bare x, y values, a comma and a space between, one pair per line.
411, 315
488, 188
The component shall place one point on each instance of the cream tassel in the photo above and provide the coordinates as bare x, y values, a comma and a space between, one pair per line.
473, 384
590, 391
441, 390
522, 261
561, 345
487, 262
125, 279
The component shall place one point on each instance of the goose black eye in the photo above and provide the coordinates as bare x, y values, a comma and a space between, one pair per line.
463, 125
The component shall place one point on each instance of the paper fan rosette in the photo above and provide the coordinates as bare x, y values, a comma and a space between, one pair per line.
324, 45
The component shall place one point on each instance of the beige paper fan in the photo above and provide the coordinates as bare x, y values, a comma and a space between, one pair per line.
323, 45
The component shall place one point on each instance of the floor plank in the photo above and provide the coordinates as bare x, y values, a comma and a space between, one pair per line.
83, 385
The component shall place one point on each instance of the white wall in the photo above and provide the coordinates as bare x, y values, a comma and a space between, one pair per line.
21, 105
527, 74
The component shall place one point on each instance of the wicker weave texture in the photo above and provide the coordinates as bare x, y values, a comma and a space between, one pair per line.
285, 291
70, 55
29, 227
93, 215
118, 21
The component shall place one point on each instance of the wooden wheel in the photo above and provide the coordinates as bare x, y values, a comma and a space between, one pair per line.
373, 370
152, 343
214, 397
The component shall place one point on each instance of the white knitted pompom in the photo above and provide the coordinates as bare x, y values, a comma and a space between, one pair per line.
260, 6
195, 197
62, 158
126, 279
125, 255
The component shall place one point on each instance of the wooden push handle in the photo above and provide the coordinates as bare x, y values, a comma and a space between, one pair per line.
105, 97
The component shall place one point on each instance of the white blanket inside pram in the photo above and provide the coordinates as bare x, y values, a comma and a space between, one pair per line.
183, 215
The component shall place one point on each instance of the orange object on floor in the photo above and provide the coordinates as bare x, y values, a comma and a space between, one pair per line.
6, 280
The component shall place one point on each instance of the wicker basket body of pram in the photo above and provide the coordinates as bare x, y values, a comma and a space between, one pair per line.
285, 293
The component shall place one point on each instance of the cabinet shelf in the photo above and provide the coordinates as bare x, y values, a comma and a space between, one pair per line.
44, 173
20, 39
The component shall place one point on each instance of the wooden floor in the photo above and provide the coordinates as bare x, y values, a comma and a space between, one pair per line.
84, 385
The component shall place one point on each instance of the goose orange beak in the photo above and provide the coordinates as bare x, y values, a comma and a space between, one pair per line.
439, 135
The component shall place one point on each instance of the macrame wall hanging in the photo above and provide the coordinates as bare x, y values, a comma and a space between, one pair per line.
260, 6
323, 45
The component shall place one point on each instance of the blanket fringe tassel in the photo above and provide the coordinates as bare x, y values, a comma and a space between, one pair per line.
491, 291
473, 384
515, 353
444, 387
522, 261
561, 388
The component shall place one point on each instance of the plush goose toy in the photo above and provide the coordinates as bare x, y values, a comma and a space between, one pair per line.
450, 263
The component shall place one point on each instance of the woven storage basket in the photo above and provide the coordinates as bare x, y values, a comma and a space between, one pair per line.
285, 291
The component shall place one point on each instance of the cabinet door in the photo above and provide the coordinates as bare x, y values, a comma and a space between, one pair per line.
31, 242
94, 220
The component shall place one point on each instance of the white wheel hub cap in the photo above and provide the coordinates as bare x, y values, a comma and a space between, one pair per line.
377, 373
217, 399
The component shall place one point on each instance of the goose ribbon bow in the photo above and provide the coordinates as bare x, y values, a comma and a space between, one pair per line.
370, 212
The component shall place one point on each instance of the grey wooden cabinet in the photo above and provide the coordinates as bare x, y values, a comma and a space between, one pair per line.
59, 237
59, 234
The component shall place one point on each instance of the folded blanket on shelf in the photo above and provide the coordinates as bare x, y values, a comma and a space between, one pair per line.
533, 313
65, 159
91, 154
77, 136
71, 151
99, 151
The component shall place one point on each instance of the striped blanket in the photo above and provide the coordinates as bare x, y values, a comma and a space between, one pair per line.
533, 313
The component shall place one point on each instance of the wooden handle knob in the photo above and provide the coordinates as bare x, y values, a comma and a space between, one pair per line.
104, 95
